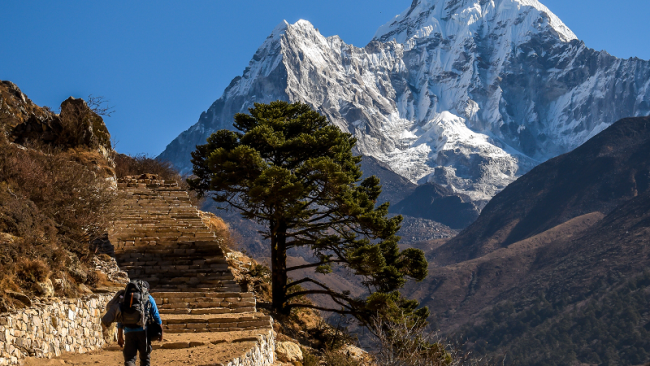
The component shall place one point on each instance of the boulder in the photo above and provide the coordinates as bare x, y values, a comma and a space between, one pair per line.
288, 352
20, 297
355, 353
85, 290
45, 288
75, 269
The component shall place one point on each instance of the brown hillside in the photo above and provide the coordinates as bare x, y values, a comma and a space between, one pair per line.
580, 298
606, 171
465, 289
555, 269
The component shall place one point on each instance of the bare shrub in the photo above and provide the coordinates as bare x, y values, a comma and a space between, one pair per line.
407, 343
79, 202
336, 358
332, 358
309, 359
99, 105
126, 165
51, 207
31, 271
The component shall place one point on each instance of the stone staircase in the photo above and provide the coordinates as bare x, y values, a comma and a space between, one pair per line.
161, 238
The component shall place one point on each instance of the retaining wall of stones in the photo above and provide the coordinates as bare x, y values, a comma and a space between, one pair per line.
262, 354
52, 326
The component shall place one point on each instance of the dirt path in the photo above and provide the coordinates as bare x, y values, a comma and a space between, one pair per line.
199, 349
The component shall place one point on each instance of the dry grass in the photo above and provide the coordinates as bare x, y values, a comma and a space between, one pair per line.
220, 228
408, 343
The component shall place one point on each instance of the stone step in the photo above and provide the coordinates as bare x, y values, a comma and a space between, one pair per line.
207, 279
206, 311
191, 264
194, 281
173, 250
170, 271
163, 253
215, 262
225, 288
201, 245
132, 221
207, 272
196, 303
175, 286
177, 262
202, 295
144, 225
169, 252
180, 308
168, 236
174, 218
174, 260
150, 214
161, 206
215, 323
162, 201
197, 289
192, 268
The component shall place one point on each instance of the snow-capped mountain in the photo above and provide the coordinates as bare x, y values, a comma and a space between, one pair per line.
469, 94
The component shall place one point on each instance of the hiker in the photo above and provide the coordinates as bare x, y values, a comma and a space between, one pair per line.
138, 320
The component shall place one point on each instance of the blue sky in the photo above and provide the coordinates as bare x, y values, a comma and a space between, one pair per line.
162, 63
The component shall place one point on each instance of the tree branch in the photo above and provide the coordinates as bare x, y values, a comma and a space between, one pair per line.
314, 265
320, 292
309, 306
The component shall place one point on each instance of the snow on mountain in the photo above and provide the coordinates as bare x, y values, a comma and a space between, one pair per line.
514, 19
469, 94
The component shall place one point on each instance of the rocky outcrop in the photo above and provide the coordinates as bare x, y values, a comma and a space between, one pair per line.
77, 125
466, 94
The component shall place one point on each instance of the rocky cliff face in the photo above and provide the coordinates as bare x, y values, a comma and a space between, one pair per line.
468, 94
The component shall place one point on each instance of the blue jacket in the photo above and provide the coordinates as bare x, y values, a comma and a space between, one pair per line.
153, 313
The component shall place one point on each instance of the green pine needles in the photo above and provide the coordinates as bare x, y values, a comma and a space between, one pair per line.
292, 171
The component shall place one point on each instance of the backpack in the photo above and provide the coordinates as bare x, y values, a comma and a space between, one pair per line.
135, 305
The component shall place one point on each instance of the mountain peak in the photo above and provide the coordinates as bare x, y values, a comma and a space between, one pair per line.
473, 94
303, 23
452, 18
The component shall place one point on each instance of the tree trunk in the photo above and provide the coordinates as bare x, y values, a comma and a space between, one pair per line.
279, 267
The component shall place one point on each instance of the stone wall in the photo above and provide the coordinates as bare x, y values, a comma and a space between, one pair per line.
262, 354
50, 327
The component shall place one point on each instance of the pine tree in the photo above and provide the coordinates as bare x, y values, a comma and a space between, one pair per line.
292, 171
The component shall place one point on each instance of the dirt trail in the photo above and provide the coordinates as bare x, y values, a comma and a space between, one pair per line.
207, 349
